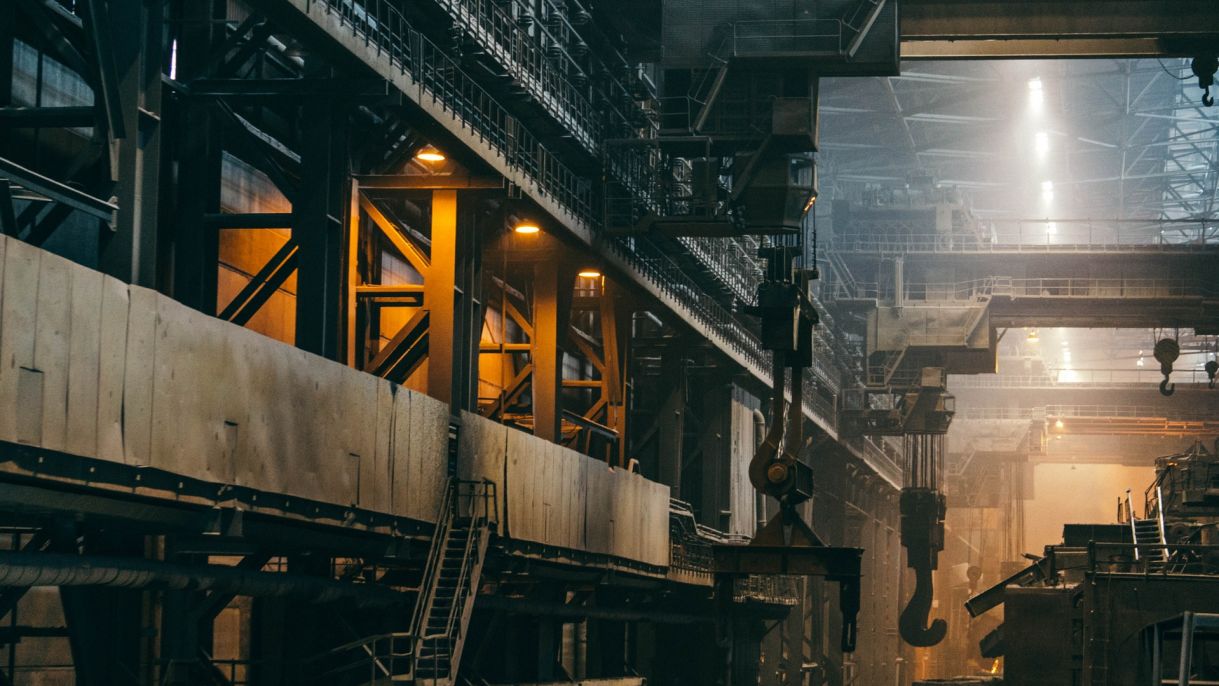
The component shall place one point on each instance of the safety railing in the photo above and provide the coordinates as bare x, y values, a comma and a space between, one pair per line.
942, 243
981, 290
372, 659
1183, 558
501, 35
768, 589
1082, 412
441, 80
1082, 378
788, 37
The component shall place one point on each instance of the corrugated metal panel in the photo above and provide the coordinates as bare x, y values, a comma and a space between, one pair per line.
84, 363
51, 346
199, 383
429, 437
112, 361
376, 474
20, 281
127, 374
137, 376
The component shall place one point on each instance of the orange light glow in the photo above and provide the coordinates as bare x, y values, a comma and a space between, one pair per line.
430, 154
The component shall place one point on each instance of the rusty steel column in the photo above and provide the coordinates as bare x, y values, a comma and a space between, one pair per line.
549, 318
615, 346
439, 295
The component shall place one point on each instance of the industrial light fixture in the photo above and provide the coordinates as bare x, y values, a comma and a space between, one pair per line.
589, 273
1059, 425
429, 153
1033, 337
526, 227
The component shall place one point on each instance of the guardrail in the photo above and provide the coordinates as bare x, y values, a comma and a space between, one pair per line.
1083, 412
982, 290
938, 243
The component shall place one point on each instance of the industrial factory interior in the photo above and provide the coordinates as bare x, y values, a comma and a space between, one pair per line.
609, 342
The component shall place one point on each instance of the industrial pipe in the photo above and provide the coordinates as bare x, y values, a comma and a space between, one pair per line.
23, 570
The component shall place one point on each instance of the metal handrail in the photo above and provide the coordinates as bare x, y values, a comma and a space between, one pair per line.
443, 524
981, 290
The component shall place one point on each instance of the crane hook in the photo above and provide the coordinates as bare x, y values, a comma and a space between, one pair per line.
1167, 389
1207, 100
913, 622
922, 534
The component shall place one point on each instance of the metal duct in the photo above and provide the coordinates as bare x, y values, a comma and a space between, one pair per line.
52, 569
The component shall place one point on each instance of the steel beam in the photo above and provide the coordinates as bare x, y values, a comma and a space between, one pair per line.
262, 285
46, 117
58, 192
130, 254
1056, 28
255, 220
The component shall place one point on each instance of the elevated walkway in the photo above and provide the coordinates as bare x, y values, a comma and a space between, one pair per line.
1134, 420
1065, 302
373, 34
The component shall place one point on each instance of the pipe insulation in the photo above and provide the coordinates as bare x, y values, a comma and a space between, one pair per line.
23, 570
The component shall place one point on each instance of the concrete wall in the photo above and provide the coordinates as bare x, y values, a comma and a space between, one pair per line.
97, 368
551, 495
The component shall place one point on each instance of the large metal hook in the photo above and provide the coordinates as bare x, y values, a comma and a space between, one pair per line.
922, 534
1206, 97
913, 622
1167, 389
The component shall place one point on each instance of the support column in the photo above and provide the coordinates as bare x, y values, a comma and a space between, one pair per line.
440, 296
197, 151
670, 420
552, 294
616, 346
317, 216
716, 447
130, 253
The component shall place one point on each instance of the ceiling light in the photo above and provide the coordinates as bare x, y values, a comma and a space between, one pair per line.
1033, 336
1059, 425
526, 228
429, 154
1035, 84
589, 273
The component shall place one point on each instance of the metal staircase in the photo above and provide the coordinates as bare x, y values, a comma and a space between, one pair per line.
430, 653
1150, 542
451, 578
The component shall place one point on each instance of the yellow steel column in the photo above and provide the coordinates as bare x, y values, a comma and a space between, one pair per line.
440, 296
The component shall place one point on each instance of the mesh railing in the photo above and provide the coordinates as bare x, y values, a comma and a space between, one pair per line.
440, 79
